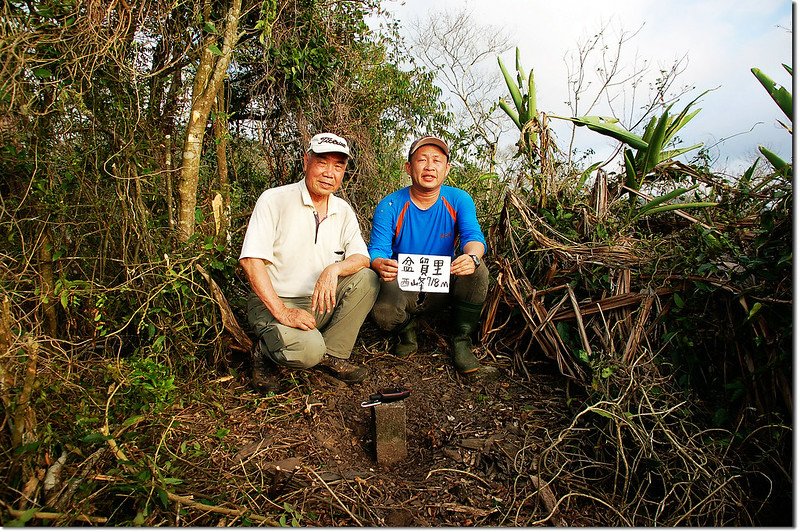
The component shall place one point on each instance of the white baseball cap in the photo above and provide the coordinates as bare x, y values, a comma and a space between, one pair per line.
327, 143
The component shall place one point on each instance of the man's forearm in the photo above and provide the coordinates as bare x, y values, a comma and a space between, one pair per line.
353, 264
257, 275
474, 248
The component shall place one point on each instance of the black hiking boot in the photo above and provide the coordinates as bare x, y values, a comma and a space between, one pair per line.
465, 321
407, 343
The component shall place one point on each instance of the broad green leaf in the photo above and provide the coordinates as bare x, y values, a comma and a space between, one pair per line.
748, 174
42, 73
648, 130
631, 180
510, 112
209, 27
609, 127
665, 197
675, 206
671, 154
683, 117
602, 412
524, 115
775, 160
95, 437
754, 311
132, 420
532, 109
214, 49
679, 122
162, 496
586, 173
656, 144
512, 86
781, 96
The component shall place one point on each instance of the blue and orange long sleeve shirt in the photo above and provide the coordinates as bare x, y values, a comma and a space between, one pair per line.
399, 226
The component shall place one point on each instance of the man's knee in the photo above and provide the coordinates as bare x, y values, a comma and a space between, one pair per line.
294, 348
366, 283
388, 314
474, 287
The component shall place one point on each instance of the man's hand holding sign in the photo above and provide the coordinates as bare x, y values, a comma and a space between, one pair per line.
423, 273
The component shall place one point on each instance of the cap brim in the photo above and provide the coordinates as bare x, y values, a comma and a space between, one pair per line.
430, 141
321, 151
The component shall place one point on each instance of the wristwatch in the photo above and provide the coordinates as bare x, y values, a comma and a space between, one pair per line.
476, 260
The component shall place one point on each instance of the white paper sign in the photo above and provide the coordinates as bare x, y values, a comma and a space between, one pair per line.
423, 273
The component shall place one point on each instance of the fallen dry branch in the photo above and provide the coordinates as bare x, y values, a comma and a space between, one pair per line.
539, 321
549, 500
632, 345
611, 303
241, 342
53, 516
579, 319
571, 252
236, 512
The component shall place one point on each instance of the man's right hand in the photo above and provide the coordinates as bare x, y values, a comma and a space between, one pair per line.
297, 318
386, 268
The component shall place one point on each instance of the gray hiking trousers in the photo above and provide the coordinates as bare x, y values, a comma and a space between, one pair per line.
336, 331
395, 307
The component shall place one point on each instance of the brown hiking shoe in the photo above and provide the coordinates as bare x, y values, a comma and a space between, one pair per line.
263, 373
343, 370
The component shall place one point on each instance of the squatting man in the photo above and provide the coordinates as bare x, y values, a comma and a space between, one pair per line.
430, 218
308, 268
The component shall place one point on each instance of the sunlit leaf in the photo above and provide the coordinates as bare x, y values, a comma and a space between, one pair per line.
675, 206
781, 96
609, 127
776, 161
665, 197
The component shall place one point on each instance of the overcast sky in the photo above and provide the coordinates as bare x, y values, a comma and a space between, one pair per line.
722, 40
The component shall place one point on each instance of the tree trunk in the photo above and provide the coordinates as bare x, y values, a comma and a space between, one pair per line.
221, 138
47, 287
209, 78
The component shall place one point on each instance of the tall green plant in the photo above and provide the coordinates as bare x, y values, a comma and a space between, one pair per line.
647, 153
523, 95
652, 148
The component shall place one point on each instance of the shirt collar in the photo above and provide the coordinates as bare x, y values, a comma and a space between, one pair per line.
333, 205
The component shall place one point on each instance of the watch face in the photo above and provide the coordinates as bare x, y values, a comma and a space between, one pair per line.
476, 260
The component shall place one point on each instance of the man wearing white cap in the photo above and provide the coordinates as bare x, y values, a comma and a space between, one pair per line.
308, 267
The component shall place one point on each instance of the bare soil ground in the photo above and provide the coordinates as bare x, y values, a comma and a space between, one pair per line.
307, 453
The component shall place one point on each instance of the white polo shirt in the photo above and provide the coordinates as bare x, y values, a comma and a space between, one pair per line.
284, 232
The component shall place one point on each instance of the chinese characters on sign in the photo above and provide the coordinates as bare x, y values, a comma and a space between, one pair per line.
423, 273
